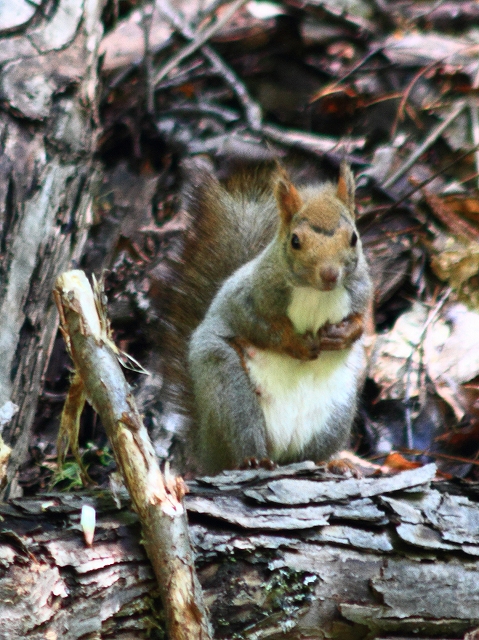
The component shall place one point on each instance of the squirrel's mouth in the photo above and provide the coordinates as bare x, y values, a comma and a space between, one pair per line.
328, 286
316, 281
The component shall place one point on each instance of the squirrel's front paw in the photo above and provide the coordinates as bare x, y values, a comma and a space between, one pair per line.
342, 335
303, 347
312, 346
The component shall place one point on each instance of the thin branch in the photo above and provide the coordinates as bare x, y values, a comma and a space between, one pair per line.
407, 396
407, 92
432, 137
474, 111
313, 142
157, 498
337, 83
425, 182
381, 211
436, 454
209, 8
147, 26
413, 20
251, 108
199, 40
70, 426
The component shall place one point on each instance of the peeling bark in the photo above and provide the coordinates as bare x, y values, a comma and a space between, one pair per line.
48, 125
337, 559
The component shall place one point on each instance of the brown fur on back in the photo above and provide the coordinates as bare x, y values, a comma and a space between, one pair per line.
231, 222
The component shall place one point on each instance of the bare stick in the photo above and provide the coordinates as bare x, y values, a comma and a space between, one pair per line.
157, 498
200, 39
252, 109
147, 25
432, 137
313, 142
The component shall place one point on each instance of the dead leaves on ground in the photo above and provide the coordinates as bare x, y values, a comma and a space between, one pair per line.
394, 86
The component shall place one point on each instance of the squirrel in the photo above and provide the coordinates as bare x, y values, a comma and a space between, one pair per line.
264, 353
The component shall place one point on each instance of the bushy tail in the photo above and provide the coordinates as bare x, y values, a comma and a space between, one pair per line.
231, 222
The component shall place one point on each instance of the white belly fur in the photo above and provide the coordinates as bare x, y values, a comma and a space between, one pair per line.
309, 309
299, 398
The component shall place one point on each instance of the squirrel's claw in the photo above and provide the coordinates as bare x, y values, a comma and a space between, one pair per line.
254, 463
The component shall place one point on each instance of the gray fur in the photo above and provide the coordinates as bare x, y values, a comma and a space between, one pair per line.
229, 425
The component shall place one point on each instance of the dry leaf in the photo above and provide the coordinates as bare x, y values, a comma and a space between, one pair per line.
451, 350
395, 362
456, 261
417, 49
449, 217
397, 462
464, 205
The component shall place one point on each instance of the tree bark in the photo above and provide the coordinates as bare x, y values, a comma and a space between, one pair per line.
293, 553
48, 125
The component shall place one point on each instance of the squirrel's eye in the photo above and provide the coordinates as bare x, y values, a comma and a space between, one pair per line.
354, 239
295, 243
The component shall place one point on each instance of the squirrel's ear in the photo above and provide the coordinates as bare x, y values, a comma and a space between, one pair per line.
346, 186
288, 198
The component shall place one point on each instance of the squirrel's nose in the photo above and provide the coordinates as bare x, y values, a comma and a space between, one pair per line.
329, 276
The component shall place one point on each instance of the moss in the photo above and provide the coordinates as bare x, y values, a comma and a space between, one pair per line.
247, 595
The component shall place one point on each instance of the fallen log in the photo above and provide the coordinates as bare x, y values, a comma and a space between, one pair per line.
290, 553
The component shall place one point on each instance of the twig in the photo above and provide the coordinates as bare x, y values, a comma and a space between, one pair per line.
424, 14
199, 40
432, 137
407, 398
384, 210
473, 108
475, 125
157, 498
313, 142
431, 178
209, 8
252, 110
421, 72
70, 426
406, 93
339, 81
7, 411
147, 26
435, 454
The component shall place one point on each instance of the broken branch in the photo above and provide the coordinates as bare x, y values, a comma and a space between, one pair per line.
156, 497
200, 39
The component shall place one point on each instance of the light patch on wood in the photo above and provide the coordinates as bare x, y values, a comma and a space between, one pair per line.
76, 283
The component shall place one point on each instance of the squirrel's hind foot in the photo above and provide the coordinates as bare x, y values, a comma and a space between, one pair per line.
254, 463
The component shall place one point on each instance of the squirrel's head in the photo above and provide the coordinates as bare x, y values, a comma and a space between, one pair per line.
318, 231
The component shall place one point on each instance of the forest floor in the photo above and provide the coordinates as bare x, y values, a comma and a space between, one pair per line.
393, 87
